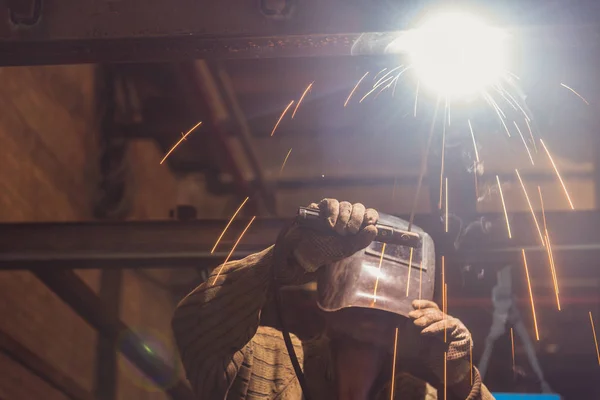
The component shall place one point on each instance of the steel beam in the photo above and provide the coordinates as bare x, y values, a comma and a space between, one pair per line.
72, 31
41, 368
59, 246
73, 291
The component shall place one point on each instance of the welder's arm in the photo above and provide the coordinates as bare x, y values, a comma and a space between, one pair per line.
214, 324
468, 391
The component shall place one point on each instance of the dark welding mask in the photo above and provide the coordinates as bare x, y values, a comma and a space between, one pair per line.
388, 275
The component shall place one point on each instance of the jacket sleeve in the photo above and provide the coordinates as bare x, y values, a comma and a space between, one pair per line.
478, 390
215, 326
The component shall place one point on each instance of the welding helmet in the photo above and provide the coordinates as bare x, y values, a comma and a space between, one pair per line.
383, 276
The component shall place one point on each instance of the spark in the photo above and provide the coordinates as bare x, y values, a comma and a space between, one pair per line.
355, 87
285, 161
524, 142
512, 342
179, 142
374, 88
504, 207
537, 333
471, 358
377, 84
302, 98
444, 293
531, 208
531, 134
445, 373
493, 104
504, 91
420, 279
394, 364
474, 142
475, 176
527, 118
558, 175
446, 205
595, 337
549, 250
379, 73
575, 93
378, 273
233, 249
445, 311
443, 161
229, 223
281, 117
409, 268
553, 270
423, 168
417, 98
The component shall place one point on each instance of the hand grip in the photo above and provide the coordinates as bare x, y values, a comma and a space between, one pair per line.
310, 218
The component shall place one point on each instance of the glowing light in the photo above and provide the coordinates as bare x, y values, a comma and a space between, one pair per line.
457, 55
504, 207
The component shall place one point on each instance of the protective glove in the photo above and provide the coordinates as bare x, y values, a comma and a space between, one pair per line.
355, 228
433, 322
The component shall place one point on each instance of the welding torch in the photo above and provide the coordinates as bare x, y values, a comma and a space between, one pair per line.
311, 218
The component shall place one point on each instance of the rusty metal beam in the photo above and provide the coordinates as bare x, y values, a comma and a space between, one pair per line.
71, 31
58, 246
38, 366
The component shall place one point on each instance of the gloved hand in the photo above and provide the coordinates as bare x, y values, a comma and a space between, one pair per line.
433, 322
355, 228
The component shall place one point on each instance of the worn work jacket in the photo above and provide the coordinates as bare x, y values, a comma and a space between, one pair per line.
227, 355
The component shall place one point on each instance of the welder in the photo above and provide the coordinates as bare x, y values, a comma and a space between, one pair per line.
376, 299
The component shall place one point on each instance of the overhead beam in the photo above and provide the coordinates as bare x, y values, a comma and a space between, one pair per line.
71, 31
58, 246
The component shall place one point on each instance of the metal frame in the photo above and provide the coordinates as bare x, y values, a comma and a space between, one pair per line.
33, 246
67, 31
